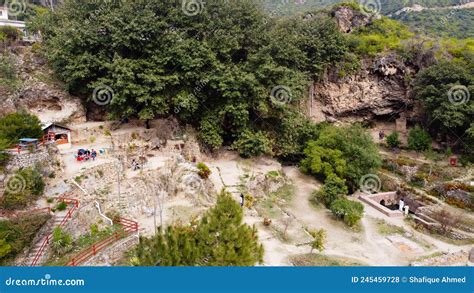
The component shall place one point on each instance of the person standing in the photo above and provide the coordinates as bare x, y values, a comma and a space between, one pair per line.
242, 199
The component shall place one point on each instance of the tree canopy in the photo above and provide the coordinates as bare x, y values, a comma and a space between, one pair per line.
447, 90
19, 125
348, 152
229, 70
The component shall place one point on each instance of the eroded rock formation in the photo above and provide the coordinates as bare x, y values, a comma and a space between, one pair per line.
39, 93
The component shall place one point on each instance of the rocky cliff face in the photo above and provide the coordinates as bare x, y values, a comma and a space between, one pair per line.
39, 93
378, 89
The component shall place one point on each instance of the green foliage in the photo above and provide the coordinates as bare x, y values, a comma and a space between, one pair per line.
10, 33
216, 69
61, 241
334, 188
323, 161
253, 144
447, 90
62, 206
349, 211
204, 171
218, 239
419, 139
292, 134
4, 156
348, 152
454, 23
19, 125
393, 140
17, 234
21, 189
277, 7
5, 248
380, 35
319, 240
8, 74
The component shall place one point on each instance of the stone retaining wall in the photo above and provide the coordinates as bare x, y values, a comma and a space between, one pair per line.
27, 159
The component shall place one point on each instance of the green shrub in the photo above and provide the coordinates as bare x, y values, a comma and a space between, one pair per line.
348, 211
419, 139
319, 240
334, 152
25, 186
253, 144
17, 234
61, 242
4, 158
393, 140
10, 33
380, 35
204, 171
333, 189
62, 206
249, 201
8, 72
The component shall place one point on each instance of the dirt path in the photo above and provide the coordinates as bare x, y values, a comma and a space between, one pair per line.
366, 246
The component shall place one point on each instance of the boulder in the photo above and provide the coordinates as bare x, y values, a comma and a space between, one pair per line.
348, 19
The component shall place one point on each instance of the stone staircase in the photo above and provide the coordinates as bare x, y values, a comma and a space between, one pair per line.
39, 240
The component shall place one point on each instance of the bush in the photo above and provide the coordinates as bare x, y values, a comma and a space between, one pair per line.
349, 211
253, 144
10, 33
62, 206
61, 242
419, 139
393, 140
335, 150
25, 186
249, 201
4, 158
204, 171
8, 73
17, 234
333, 189
323, 162
319, 240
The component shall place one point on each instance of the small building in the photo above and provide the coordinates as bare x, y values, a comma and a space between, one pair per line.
57, 134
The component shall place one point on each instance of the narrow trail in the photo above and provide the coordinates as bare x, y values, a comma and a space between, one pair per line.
367, 246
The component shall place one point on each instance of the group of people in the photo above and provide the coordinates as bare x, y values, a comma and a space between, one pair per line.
85, 155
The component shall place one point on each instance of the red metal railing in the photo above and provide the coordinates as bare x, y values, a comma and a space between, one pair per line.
128, 227
74, 203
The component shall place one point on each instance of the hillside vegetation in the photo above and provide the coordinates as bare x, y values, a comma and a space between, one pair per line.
231, 70
386, 7
456, 23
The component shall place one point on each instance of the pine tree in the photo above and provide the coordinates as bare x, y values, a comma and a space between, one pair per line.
218, 239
